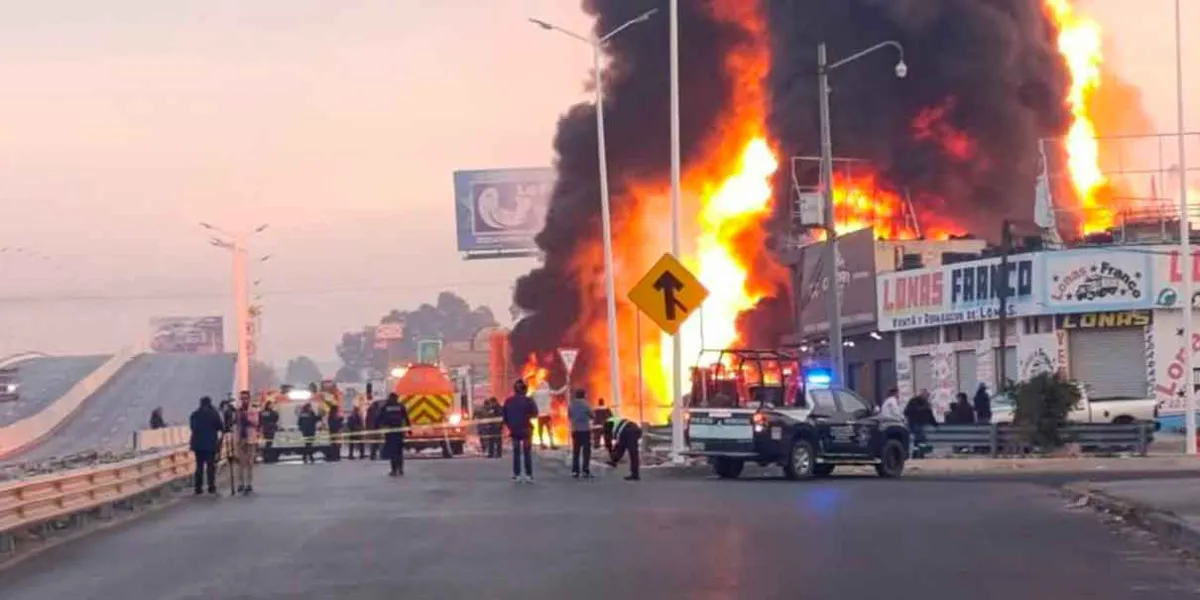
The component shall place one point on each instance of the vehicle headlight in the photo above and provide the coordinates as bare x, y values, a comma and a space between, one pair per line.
455, 418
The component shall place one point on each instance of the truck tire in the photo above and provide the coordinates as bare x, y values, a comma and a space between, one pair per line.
446, 451
1124, 420
823, 470
800, 460
728, 468
891, 457
456, 448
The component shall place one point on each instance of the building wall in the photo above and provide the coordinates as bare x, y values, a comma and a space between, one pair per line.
1165, 367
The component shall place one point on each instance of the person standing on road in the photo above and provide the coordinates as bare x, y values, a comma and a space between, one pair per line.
355, 426
580, 415
600, 418
891, 408
374, 438
245, 443
543, 396
983, 405
306, 422
919, 414
268, 424
519, 410
393, 417
628, 436
336, 423
156, 419
206, 425
494, 442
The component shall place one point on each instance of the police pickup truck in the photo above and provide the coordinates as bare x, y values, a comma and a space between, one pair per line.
823, 428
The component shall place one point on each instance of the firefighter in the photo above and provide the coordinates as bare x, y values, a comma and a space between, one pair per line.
355, 425
336, 424
492, 432
374, 440
268, 423
627, 435
393, 417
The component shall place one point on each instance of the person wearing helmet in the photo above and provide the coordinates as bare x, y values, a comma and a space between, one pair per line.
519, 410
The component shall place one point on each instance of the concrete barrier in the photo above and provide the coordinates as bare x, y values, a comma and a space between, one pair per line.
167, 437
32, 430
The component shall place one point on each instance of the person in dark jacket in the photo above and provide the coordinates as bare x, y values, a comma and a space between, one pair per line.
983, 405
628, 435
336, 423
960, 412
919, 414
600, 417
375, 440
156, 419
307, 422
355, 424
519, 409
493, 432
268, 423
206, 425
392, 417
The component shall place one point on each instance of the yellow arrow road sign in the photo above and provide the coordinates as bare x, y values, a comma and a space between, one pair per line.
668, 293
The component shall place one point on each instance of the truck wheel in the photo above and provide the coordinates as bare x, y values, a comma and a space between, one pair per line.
728, 468
892, 458
823, 470
456, 448
1123, 420
800, 460
446, 452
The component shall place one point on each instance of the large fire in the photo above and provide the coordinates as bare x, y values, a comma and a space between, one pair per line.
728, 190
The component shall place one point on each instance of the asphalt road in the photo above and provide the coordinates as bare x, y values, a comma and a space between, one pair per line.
460, 529
110, 416
44, 380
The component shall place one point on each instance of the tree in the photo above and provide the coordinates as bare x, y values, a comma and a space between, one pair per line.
263, 376
1043, 403
347, 374
302, 370
451, 319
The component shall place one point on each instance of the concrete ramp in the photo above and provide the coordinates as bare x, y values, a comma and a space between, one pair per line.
109, 417
44, 380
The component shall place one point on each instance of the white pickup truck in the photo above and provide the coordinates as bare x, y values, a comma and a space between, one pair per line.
1090, 411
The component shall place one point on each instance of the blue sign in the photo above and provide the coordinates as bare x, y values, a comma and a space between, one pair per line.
501, 211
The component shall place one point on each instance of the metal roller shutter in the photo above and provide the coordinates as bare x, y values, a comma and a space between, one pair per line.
922, 369
967, 369
1111, 361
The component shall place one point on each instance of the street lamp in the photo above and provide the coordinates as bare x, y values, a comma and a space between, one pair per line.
597, 45
1185, 244
235, 243
832, 296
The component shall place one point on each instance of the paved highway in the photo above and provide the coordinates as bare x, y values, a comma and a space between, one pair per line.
460, 529
44, 380
109, 417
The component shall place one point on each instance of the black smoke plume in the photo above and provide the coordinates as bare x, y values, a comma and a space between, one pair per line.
991, 66
637, 128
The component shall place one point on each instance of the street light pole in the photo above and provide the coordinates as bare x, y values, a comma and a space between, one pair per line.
597, 45
832, 295
676, 345
236, 244
1185, 244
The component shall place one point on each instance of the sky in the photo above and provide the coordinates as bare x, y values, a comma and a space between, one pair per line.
125, 123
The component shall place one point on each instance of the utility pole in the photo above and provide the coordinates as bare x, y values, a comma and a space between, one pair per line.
833, 304
1002, 294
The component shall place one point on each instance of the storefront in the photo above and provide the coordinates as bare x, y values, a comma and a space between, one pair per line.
1108, 351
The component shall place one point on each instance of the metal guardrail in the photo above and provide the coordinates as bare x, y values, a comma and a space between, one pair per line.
1007, 439
34, 508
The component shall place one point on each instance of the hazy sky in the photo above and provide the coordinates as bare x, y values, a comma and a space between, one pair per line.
125, 122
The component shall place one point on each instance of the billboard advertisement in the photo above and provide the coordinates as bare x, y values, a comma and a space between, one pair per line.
958, 292
856, 283
1090, 280
193, 335
500, 211
1169, 270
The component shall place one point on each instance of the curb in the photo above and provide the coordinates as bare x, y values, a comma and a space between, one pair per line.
1162, 523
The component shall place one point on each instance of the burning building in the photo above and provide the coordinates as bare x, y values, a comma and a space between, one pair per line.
955, 147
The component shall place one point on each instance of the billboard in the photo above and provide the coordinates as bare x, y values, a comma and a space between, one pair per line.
856, 283
1088, 280
1169, 270
498, 212
958, 292
193, 335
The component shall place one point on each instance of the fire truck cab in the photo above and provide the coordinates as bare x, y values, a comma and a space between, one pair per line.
761, 406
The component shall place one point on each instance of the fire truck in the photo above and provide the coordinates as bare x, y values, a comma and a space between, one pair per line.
766, 407
429, 395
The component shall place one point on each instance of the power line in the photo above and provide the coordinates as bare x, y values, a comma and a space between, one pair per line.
85, 297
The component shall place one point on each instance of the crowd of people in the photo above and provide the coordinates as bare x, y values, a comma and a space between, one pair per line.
237, 429
918, 413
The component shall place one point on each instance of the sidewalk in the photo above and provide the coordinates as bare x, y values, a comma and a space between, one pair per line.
1169, 508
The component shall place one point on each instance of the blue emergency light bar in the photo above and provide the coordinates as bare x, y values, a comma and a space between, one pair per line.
818, 379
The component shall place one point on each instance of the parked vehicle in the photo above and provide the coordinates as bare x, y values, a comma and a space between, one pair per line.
1116, 410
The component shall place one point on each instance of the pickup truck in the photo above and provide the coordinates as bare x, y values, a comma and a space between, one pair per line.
1120, 411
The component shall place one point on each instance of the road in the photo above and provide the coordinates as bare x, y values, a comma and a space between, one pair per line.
44, 380
460, 529
109, 417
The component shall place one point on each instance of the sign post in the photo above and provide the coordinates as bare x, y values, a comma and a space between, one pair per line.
568, 356
668, 294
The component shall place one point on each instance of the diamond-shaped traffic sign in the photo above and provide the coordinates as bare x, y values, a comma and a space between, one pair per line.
668, 293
